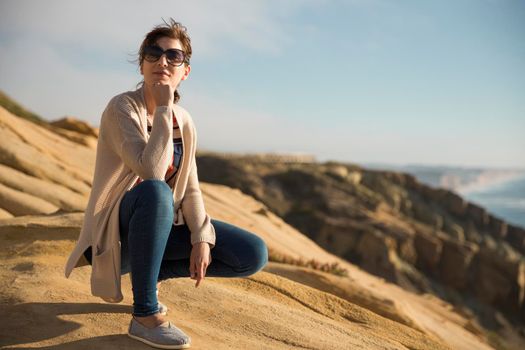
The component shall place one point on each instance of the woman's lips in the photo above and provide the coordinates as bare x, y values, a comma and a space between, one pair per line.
161, 74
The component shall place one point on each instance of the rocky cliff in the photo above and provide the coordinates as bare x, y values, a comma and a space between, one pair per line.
424, 239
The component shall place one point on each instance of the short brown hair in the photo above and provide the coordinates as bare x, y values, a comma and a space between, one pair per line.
171, 29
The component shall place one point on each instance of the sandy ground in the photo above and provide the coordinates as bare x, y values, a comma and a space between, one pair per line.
281, 307
41, 309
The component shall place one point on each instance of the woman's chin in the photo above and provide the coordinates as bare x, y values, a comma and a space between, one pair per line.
162, 81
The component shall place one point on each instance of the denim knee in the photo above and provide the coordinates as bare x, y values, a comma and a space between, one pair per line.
155, 187
157, 192
262, 256
259, 254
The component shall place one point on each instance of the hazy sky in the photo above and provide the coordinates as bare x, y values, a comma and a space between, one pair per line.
428, 82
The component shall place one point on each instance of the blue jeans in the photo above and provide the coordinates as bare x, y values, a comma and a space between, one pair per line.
153, 249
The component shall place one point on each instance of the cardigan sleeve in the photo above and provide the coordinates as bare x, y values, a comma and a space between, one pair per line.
148, 159
195, 216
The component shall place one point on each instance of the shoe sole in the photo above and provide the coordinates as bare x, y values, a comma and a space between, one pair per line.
160, 346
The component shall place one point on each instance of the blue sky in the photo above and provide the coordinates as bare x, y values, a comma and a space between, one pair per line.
401, 82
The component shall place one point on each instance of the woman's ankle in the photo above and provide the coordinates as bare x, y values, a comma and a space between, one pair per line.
151, 321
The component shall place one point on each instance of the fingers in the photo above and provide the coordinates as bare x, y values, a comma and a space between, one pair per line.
192, 268
162, 93
201, 271
200, 259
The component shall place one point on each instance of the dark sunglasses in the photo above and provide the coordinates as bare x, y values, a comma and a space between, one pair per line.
175, 57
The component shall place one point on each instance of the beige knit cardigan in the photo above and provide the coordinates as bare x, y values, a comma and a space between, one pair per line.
124, 153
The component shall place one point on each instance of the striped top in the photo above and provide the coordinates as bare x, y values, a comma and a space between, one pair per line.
177, 152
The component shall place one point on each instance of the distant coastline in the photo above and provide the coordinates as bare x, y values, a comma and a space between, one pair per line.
500, 191
485, 180
462, 180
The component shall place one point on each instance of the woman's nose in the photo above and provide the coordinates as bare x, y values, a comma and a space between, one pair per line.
163, 61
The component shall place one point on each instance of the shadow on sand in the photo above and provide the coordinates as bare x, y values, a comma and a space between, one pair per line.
28, 323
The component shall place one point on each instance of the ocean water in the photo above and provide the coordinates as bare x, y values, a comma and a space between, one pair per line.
505, 200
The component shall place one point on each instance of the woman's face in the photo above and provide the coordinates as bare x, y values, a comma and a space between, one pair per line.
160, 70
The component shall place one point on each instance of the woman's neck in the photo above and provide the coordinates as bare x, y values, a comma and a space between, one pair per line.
150, 101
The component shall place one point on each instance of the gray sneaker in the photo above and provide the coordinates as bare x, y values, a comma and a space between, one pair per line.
165, 336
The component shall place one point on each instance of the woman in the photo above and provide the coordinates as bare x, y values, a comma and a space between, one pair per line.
145, 213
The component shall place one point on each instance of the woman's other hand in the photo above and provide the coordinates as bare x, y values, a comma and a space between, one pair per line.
200, 258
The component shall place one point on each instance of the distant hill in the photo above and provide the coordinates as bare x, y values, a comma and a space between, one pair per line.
71, 128
17, 109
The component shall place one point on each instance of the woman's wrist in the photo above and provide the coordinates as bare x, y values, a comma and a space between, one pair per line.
162, 108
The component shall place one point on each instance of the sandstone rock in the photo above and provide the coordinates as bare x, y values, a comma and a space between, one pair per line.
354, 177
407, 251
390, 192
490, 286
411, 182
19, 203
429, 193
406, 207
73, 124
76, 137
337, 170
403, 236
377, 254
426, 214
516, 237
57, 195
498, 227
428, 249
454, 230
368, 198
471, 232
396, 177
478, 214
23, 146
4, 214
499, 279
454, 203
342, 236
454, 265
